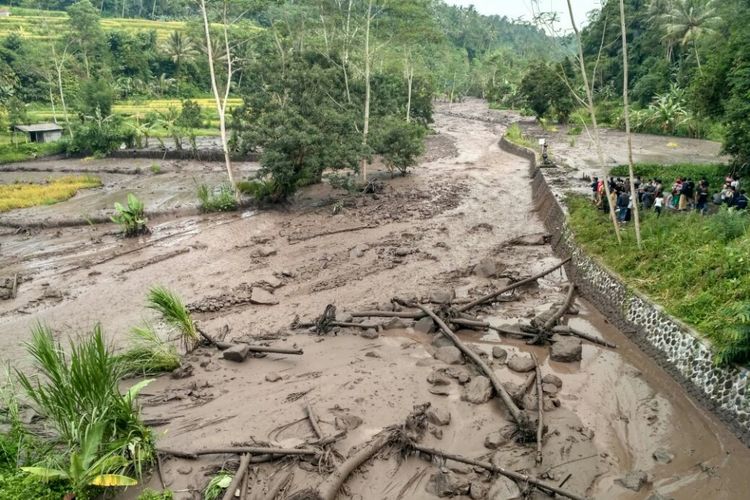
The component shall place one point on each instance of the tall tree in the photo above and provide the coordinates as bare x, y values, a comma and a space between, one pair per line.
687, 21
626, 113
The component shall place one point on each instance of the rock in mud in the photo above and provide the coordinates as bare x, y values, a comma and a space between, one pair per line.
183, 371
438, 416
425, 325
566, 350
531, 239
499, 353
663, 456
439, 390
264, 252
347, 422
633, 480
394, 324
478, 391
658, 496
370, 333
262, 297
236, 353
477, 491
495, 440
552, 379
504, 488
550, 389
459, 373
446, 484
441, 340
359, 250
438, 433
438, 378
449, 355
442, 296
521, 363
486, 268
273, 377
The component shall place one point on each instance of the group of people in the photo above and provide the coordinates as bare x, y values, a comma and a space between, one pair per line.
683, 195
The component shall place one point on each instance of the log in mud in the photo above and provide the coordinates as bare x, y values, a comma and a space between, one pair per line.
437, 237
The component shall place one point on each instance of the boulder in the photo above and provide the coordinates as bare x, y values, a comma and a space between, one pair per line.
438, 416
486, 268
663, 456
477, 491
438, 378
236, 353
550, 389
478, 391
441, 340
499, 353
394, 324
347, 422
425, 325
552, 379
449, 355
494, 440
504, 488
446, 484
273, 377
262, 297
633, 480
370, 333
521, 363
442, 296
566, 350
439, 390
359, 250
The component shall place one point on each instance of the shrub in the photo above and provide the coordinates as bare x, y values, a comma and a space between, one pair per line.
220, 199
400, 143
734, 345
149, 494
150, 353
174, 313
190, 115
515, 135
132, 218
99, 135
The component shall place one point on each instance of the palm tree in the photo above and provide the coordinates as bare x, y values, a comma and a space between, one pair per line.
687, 21
180, 49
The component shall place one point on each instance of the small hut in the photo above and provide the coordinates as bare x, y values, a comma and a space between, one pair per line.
41, 132
4, 12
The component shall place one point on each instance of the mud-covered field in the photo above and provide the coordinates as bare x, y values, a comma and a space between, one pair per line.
614, 418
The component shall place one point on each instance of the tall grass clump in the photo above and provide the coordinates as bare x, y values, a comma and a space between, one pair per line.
150, 353
220, 199
515, 135
697, 267
174, 313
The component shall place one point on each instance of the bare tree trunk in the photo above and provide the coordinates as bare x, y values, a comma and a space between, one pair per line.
347, 39
368, 90
221, 101
410, 81
592, 113
626, 113
58, 69
52, 102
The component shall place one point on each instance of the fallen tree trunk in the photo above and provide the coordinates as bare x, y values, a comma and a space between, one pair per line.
499, 470
517, 284
238, 450
562, 310
252, 348
237, 479
566, 330
520, 419
313, 420
540, 410
388, 314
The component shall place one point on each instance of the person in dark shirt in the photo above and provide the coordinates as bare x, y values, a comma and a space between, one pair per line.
741, 203
702, 197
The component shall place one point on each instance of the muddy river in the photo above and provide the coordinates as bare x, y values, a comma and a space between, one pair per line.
616, 416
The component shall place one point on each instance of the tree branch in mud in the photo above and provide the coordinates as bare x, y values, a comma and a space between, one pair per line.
518, 416
412, 429
252, 348
490, 297
313, 420
566, 330
278, 485
540, 410
238, 450
546, 328
523, 478
238, 476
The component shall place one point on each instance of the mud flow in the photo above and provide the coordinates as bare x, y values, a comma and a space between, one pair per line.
462, 225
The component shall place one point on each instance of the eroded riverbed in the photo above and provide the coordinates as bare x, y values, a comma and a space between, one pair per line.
424, 233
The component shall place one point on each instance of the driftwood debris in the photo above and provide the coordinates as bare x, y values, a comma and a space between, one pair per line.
518, 416
252, 348
14, 287
566, 330
492, 296
522, 478
238, 477
239, 450
313, 420
294, 241
540, 410
278, 485
544, 331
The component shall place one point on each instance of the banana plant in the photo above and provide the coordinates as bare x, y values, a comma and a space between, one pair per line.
132, 218
87, 468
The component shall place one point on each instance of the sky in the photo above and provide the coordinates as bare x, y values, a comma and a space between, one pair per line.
522, 8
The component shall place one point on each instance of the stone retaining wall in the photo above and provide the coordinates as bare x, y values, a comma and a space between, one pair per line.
675, 346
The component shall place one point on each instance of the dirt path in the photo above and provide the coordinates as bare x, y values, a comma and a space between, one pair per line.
425, 233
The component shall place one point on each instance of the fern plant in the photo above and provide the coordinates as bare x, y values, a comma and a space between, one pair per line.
131, 218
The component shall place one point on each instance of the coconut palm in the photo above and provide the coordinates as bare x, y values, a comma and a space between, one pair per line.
689, 20
180, 48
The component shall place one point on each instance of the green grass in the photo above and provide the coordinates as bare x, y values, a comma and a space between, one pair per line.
714, 173
26, 151
220, 199
22, 195
149, 354
515, 135
174, 313
697, 267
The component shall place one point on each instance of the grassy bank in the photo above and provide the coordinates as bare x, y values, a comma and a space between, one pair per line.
25, 151
14, 196
697, 267
515, 135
